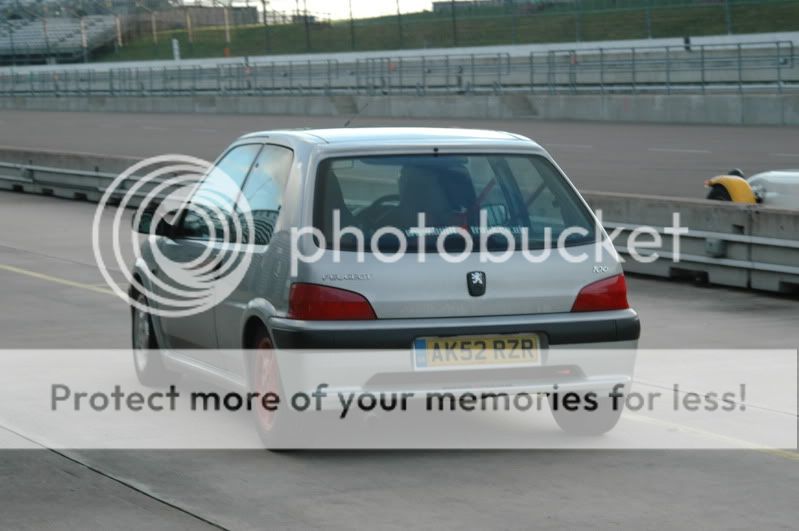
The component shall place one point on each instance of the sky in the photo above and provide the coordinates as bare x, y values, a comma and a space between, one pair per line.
360, 8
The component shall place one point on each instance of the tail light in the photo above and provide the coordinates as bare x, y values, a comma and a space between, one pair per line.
606, 294
312, 302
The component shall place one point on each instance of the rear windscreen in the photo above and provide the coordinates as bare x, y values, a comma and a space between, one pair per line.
525, 194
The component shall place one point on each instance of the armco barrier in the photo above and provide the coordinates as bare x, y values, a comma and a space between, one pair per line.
774, 250
82, 176
726, 244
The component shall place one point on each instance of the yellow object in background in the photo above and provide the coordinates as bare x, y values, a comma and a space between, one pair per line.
737, 187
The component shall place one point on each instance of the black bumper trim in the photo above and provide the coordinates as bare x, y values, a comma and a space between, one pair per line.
602, 330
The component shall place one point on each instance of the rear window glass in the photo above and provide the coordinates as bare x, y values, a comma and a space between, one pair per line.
525, 194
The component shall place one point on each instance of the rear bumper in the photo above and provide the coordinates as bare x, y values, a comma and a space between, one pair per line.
597, 368
571, 329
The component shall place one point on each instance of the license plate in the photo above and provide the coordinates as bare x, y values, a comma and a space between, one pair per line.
463, 352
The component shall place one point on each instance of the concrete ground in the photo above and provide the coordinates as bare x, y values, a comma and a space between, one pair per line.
53, 296
610, 157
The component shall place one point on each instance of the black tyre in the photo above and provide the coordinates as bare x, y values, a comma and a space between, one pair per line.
588, 423
719, 193
147, 359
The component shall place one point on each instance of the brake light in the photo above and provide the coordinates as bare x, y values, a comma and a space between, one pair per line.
312, 302
606, 294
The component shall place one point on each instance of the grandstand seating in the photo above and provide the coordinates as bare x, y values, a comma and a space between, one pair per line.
62, 39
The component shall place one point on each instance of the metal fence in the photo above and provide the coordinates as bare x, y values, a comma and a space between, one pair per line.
762, 66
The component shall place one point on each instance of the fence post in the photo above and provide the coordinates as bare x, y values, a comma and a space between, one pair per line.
226, 16
11, 39
357, 76
352, 28
474, 72
602, 71
635, 81
779, 68
165, 81
399, 25
532, 73
84, 43
267, 42
424, 75
702, 65
154, 28
728, 17
668, 70
499, 71
740, 70
401, 76
307, 24
454, 23
446, 69
573, 71
329, 76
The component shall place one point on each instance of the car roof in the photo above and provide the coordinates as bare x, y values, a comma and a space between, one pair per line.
376, 136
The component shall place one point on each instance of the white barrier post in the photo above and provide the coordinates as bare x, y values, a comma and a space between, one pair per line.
153, 27
119, 31
83, 40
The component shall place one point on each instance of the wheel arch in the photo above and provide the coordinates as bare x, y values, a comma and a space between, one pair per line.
255, 318
738, 188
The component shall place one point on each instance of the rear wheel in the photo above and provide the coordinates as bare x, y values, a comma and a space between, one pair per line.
719, 193
588, 423
266, 379
147, 358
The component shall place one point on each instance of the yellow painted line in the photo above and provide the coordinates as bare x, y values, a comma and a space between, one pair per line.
56, 280
743, 444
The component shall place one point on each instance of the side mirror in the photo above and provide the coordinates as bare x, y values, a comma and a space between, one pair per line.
145, 224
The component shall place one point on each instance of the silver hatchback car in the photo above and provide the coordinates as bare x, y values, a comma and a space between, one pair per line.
466, 255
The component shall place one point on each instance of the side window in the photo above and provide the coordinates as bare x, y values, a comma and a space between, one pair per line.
263, 190
212, 202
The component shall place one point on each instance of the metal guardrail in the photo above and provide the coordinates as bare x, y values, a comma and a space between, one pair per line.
761, 66
67, 183
727, 244
745, 246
